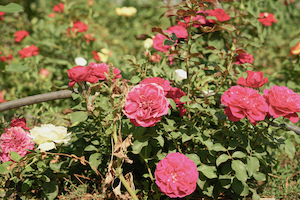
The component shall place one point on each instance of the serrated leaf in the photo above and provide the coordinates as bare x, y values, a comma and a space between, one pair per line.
240, 170
222, 158
12, 7
79, 116
17, 68
208, 171
238, 154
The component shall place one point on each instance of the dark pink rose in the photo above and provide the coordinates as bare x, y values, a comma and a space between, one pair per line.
101, 71
79, 27
165, 84
20, 123
29, 51
146, 104
243, 101
219, 14
3, 58
176, 175
198, 21
267, 19
176, 94
1, 15
158, 42
283, 102
59, 8
244, 58
254, 79
2, 100
20, 35
179, 31
81, 73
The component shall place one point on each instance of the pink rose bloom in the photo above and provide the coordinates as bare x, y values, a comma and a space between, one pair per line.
176, 175
1, 15
176, 94
1, 97
59, 8
100, 71
254, 79
179, 31
17, 140
20, 123
244, 58
267, 19
89, 38
158, 42
3, 58
20, 35
79, 27
165, 84
155, 58
29, 51
219, 14
81, 73
198, 21
51, 15
44, 72
146, 104
242, 101
283, 102
171, 59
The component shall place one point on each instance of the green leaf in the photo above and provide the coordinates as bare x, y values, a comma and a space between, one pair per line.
79, 116
195, 158
240, 188
160, 140
294, 42
222, 158
175, 135
238, 154
252, 165
15, 156
130, 58
218, 147
12, 7
290, 148
186, 138
225, 181
138, 145
174, 37
172, 103
255, 196
168, 42
50, 189
17, 68
240, 170
135, 79
3, 167
95, 160
56, 166
90, 148
208, 171
228, 27
185, 99
259, 176
2, 66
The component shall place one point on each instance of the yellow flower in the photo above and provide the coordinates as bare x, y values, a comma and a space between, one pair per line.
126, 11
119, 11
148, 43
104, 54
295, 50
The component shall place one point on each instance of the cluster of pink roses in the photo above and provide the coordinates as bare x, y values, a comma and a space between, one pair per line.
245, 101
91, 73
147, 102
15, 139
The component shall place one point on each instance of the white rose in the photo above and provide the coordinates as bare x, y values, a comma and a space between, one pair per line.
181, 74
80, 61
148, 43
47, 135
209, 93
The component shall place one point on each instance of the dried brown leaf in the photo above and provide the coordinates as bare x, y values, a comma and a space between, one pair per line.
82, 160
56, 159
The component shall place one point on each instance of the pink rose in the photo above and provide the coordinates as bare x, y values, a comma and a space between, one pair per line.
1, 15
244, 58
176, 175
81, 73
155, 58
20, 35
254, 79
219, 14
146, 104
101, 71
2, 100
267, 19
165, 84
17, 140
176, 94
179, 31
20, 123
283, 102
44, 72
158, 42
29, 51
198, 21
242, 101
59, 8
79, 27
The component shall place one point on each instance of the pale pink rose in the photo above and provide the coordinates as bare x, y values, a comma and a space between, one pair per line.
179, 31
101, 71
283, 102
165, 84
254, 79
242, 101
17, 140
146, 104
176, 175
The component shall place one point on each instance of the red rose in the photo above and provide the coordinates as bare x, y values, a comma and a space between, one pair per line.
10, 57
176, 94
267, 19
3, 58
158, 42
20, 123
79, 27
96, 56
254, 79
20, 35
44, 72
29, 51
101, 71
1, 15
243, 101
179, 31
59, 8
165, 84
244, 58
81, 73
219, 14
283, 102
146, 104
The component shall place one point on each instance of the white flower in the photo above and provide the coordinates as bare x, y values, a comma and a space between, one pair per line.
80, 61
209, 93
126, 11
181, 74
47, 135
148, 43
